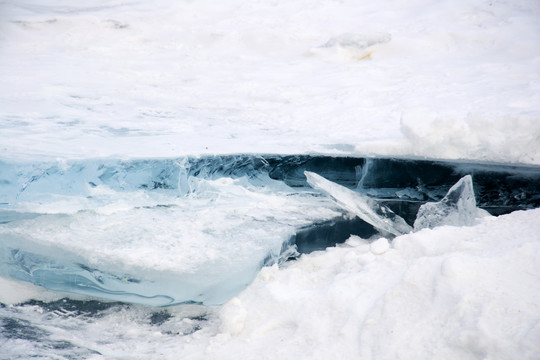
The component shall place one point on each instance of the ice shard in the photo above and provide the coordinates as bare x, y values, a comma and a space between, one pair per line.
369, 210
457, 208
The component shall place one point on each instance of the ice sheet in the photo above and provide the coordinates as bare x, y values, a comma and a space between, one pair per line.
134, 232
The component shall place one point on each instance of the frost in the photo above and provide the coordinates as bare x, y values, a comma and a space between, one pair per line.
369, 210
457, 208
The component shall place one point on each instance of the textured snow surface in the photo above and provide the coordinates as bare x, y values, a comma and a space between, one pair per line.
435, 79
446, 293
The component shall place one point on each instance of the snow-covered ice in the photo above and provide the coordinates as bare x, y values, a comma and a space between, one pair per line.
450, 80
126, 87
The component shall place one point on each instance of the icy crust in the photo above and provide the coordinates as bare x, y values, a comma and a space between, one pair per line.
457, 208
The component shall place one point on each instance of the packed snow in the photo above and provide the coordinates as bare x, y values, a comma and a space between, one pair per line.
120, 81
447, 293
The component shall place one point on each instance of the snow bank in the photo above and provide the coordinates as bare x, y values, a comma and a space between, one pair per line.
446, 293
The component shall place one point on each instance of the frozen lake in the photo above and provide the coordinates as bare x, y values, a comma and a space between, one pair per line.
257, 168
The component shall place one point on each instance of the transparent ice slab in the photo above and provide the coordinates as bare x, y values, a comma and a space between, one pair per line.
457, 208
369, 210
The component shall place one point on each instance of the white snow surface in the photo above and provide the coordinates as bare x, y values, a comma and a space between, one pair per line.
444, 293
423, 78
447, 293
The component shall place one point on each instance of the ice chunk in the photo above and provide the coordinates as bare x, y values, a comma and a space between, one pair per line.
156, 232
198, 229
369, 210
200, 249
457, 208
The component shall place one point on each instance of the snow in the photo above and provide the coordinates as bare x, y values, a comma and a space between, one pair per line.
451, 292
163, 79
426, 79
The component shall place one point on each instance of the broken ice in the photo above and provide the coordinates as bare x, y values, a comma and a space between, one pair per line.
457, 208
369, 210
168, 231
